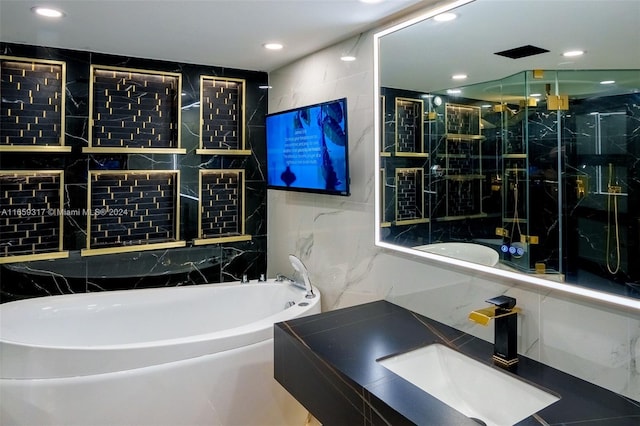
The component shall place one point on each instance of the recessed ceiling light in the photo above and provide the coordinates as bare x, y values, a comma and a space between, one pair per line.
535, 95
264, 86
273, 46
348, 58
444, 17
47, 11
453, 91
572, 53
607, 82
459, 76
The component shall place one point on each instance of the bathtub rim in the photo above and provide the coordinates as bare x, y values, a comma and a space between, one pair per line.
141, 354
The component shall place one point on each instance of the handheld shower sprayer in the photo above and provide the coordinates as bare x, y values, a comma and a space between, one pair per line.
302, 270
613, 190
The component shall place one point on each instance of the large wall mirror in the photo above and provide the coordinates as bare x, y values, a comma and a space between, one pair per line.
508, 141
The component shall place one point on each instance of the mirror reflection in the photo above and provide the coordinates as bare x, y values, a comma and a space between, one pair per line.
503, 152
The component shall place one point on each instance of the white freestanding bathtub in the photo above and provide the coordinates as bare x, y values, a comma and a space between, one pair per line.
194, 355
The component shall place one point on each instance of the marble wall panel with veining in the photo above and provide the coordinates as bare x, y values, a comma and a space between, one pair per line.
178, 266
334, 236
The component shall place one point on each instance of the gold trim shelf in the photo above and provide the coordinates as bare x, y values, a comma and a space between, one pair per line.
405, 154
33, 105
409, 222
134, 111
133, 248
461, 217
131, 210
31, 215
104, 150
205, 151
222, 116
221, 206
454, 136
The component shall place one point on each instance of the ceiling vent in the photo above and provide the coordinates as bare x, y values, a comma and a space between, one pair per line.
522, 52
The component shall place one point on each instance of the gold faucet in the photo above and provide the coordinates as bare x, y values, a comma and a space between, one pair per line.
504, 315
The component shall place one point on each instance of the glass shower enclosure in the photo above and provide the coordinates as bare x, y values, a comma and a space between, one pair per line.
542, 166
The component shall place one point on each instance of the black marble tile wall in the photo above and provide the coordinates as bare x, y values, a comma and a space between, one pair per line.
408, 125
132, 208
222, 113
463, 198
222, 198
409, 200
462, 120
29, 212
190, 264
134, 109
32, 103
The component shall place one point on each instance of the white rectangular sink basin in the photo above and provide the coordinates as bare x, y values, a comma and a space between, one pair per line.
476, 390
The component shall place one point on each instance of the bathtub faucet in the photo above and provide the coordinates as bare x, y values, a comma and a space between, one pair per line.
302, 270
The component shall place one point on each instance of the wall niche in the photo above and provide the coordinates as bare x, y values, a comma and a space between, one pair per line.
122, 138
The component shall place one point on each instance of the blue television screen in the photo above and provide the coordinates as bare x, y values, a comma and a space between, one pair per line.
307, 149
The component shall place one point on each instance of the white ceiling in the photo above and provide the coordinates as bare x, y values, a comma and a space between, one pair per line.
227, 33
424, 56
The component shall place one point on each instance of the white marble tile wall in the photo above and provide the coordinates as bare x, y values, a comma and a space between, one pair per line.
334, 236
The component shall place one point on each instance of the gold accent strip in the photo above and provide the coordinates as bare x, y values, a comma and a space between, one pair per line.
133, 172
25, 59
205, 151
465, 137
89, 192
411, 221
200, 174
107, 150
385, 154
485, 315
91, 123
220, 240
506, 363
61, 216
32, 148
129, 249
383, 202
471, 216
412, 154
63, 105
383, 115
136, 70
176, 222
32, 257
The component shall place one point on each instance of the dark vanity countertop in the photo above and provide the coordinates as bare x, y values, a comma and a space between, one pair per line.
328, 362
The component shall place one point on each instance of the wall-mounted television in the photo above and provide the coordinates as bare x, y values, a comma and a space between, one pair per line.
307, 149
